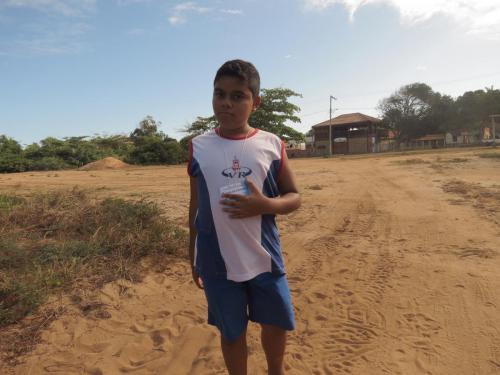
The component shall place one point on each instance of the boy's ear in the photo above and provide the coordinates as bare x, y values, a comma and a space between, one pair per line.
256, 102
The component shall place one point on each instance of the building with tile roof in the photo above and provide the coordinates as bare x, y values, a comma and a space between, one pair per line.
351, 133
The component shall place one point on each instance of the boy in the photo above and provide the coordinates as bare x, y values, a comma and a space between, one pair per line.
240, 179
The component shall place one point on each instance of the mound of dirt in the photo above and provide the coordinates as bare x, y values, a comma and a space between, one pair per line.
106, 163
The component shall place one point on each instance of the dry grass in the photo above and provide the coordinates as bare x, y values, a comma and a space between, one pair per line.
440, 165
458, 187
314, 187
50, 242
490, 155
455, 160
411, 161
487, 200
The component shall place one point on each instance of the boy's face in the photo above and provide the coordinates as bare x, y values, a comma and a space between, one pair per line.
233, 102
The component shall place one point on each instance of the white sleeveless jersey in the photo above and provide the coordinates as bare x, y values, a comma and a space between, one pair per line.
236, 249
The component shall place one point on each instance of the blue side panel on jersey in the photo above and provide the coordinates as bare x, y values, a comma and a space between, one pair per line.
209, 261
270, 238
194, 168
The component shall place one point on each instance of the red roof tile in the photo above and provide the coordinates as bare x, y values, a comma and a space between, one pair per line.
348, 118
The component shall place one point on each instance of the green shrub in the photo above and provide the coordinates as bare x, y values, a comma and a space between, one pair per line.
51, 240
8, 201
16, 301
48, 163
13, 163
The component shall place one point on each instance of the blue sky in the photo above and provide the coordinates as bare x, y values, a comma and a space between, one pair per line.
86, 67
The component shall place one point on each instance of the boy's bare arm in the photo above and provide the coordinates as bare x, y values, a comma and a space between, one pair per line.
241, 206
193, 208
289, 199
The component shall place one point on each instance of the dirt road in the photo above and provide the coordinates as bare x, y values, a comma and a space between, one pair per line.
392, 261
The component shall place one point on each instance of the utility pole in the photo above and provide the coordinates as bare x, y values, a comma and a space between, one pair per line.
330, 124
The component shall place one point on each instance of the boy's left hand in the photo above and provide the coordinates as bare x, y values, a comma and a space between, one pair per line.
243, 206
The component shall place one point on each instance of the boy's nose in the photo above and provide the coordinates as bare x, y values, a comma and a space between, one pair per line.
226, 103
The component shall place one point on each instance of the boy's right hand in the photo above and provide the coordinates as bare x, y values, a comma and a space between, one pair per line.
196, 278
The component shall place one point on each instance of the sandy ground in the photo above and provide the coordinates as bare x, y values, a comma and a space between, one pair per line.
392, 262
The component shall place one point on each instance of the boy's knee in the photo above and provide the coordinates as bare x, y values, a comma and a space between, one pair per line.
273, 330
231, 341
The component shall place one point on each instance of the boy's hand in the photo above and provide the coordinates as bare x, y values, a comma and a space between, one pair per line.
196, 278
242, 206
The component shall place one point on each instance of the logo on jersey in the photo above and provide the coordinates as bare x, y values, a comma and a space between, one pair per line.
236, 171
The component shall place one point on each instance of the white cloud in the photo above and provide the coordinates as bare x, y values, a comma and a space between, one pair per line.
179, 12
61, 33
128, 2
481, 17
190, 6
175, 20
70, 8
58, 40
232, 11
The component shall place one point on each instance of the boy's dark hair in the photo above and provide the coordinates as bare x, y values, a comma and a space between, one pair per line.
243, 70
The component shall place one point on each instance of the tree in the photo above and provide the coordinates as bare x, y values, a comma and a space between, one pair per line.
443, 114
201, 125
273, 114
152, 146
11, 156
53, 154
114, 145
9, 146
407, 111
275, 111
475, 107
147, 127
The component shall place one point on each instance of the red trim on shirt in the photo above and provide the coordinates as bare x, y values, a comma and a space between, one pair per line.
282, 161
190, 156
238, 138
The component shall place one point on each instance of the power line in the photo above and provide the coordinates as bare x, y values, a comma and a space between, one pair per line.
467, 79
379, 91
340, 108
313, 113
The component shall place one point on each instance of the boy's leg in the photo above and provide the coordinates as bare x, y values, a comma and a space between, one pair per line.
270, 306
227, 310
273, 342
235, 354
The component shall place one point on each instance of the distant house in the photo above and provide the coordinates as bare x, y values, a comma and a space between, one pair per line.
352, 133
429, 141
294, 145
460, 137
448, 139
309, 142
490, 130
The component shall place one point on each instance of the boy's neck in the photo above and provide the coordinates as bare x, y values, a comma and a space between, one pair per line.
236, 132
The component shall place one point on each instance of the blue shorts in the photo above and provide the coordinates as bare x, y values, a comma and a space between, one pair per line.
265, 299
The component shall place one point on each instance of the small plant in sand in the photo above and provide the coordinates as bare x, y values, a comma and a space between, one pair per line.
490, 155
314, 187
455, 160
51, 242
7, 201
411, 161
